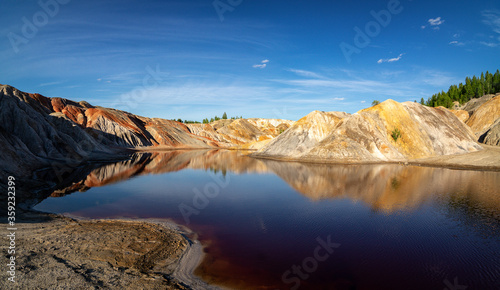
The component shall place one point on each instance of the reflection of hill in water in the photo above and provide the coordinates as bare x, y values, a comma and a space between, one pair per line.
386, 188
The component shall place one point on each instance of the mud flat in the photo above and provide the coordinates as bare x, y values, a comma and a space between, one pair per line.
53, 251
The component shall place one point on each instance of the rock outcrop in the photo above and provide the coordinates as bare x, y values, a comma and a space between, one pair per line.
36, 131
241, 133
474, 104
485, 121
305, 134
367, 136
461, 115
128, 130
31, 135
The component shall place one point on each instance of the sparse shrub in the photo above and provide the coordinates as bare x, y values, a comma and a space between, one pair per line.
396, 134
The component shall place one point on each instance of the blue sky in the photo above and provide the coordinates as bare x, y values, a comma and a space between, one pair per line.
250, 58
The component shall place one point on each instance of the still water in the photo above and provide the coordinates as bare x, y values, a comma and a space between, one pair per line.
284, 225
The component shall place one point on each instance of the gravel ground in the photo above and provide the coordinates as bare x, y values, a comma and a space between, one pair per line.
56, 252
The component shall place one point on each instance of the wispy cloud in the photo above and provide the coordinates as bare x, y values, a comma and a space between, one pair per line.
198, 93
400, 86
50, 84
489, 44
437, 78
492, 19
305, 73
457, 43
391, 59
262, 64
434, 23
338, 99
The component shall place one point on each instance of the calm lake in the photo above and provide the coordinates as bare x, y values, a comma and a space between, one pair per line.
283, 225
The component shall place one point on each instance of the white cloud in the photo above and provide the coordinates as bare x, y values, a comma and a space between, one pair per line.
457, 43
305, 73
262, 64
99, 80
259, 65
436, 21
391, 59
362, 102
338, 99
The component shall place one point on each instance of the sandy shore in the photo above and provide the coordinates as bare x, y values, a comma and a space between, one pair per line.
486, 159
57, 252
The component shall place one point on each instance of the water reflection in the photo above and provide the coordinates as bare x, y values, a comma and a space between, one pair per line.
386, 188
445, 223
